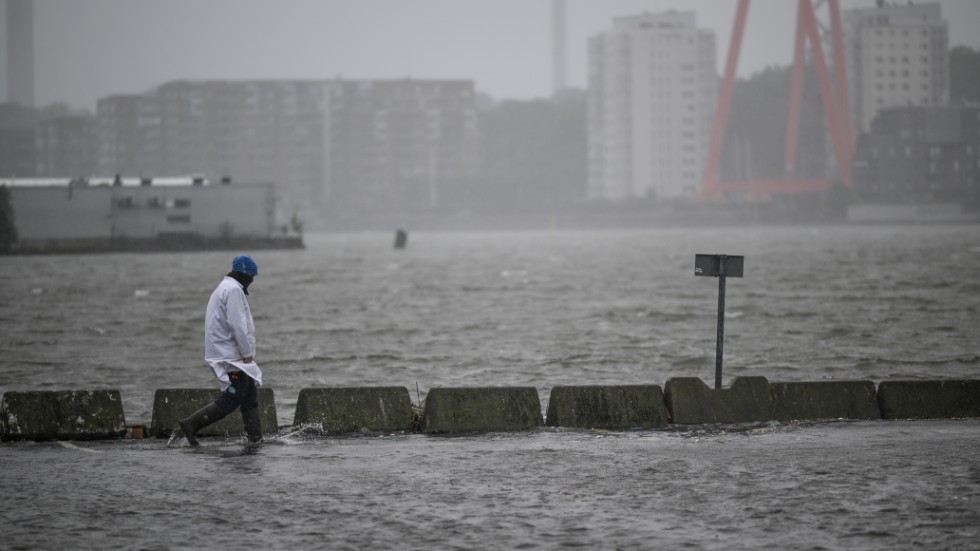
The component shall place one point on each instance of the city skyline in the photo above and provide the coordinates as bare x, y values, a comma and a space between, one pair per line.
88, 51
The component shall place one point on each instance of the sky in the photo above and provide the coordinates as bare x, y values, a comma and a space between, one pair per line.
86, 50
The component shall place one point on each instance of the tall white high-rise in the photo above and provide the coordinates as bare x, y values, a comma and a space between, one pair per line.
20, 52
653, 89
897, 55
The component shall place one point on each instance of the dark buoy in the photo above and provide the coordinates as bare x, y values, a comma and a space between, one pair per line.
401, 239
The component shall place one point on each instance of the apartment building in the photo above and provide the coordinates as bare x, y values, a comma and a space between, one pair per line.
917, 154
268, 131
329, 145
896, 55
400, 145
653, 90
64, 146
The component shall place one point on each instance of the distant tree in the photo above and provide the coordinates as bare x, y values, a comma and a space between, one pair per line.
964, 75
8, 232
535, 153
755, 137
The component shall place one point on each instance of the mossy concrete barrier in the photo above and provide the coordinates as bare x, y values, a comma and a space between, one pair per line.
949, 399
170, 405
481, 409
62, 415
607, 407
691, 402
355, 409
825, 400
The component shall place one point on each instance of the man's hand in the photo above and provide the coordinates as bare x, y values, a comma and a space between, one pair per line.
247, 359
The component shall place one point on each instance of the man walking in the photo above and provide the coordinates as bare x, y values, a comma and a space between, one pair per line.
229, 348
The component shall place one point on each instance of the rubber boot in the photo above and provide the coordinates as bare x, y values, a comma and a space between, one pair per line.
203, 417
253, 424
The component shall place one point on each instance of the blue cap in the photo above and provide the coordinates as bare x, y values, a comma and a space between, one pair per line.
245, 264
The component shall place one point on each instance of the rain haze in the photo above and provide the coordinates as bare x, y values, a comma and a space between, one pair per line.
88, 50
500, 302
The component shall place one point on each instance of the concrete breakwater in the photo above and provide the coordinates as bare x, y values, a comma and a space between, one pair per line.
685, 401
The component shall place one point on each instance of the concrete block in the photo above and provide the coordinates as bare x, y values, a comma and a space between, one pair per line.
949, 399
825, 400
691, 402
483, 409
607, 407
355, 409
62, 415
170, 405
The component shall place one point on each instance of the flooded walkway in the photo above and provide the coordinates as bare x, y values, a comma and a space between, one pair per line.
861, 485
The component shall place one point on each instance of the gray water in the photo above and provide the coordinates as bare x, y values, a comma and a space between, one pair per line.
511, 308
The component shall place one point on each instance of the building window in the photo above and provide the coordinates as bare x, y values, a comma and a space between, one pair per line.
179, 219
178, 203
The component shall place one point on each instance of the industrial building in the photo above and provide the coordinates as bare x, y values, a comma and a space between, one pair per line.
105, 214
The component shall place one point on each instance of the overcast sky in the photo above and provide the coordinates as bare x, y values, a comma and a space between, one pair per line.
90, 49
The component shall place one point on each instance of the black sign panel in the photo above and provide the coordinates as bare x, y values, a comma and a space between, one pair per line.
714, 265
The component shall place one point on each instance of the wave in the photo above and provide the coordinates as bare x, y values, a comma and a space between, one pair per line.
694, 361
579, 359
869, 361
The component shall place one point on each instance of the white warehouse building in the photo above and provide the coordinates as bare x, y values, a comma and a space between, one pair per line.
62, 215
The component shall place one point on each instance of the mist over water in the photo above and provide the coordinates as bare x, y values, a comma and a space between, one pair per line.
509, 308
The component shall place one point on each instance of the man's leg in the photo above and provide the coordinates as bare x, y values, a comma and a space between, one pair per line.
250, 411
228, 402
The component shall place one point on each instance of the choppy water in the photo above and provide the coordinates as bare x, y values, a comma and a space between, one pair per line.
522, 308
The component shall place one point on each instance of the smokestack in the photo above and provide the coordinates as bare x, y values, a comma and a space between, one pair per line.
558, 46
20, 52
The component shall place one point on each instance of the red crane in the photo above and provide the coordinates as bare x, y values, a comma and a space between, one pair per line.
835, 108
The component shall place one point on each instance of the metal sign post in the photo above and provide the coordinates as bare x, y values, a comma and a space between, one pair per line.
720, 266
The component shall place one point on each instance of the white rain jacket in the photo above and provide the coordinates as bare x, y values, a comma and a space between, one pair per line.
229, 334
